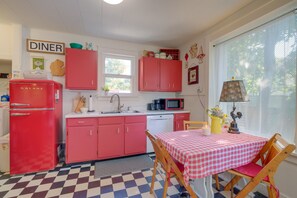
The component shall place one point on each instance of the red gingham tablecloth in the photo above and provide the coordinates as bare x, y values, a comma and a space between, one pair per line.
207, 155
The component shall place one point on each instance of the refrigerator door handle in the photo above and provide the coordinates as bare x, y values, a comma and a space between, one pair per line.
19, 104
20, 114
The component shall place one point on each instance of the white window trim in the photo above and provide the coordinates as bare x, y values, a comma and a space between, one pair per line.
255, 23
122, 54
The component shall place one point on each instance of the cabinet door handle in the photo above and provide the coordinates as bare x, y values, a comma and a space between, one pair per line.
20, 114
91, 132
173, 85
92, 82
118, 130
19, 104
177, 125
169, 85
127, 130
81, 122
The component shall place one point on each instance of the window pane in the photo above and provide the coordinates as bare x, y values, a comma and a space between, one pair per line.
265, 59
118, 85
117, 66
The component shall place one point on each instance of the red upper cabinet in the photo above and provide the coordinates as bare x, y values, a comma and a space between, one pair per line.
81, 69
160, 74
149, 74
176, 75
171, 72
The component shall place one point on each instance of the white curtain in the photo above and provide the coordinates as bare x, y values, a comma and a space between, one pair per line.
265, 59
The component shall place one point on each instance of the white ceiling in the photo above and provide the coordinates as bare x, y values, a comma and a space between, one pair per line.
167, 23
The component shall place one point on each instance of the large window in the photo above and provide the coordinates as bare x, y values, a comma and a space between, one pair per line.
265, 59
118, 73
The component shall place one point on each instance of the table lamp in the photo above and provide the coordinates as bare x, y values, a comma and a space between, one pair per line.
234, 91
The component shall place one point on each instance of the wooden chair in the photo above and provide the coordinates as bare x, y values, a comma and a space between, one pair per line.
171, 167
190, 125
270, 156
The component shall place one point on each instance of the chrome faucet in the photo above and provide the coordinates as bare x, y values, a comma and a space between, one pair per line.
119, 102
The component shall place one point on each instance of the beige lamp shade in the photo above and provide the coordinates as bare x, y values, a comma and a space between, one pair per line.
233, 91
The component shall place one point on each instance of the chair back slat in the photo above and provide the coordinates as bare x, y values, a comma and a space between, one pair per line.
271, 153
275, 150
172, 166
190, 125
159, 156
167, 163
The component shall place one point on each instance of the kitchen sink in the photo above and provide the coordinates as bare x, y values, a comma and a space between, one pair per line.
118, 112
110, 112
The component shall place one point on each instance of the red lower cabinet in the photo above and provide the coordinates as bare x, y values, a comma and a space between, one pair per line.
81, 143
135, 139
104, 137
179, 120
110, 141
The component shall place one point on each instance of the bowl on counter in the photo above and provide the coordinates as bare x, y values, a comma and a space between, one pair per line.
84, 110
76, 45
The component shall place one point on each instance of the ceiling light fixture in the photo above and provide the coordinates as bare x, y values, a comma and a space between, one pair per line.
113, 2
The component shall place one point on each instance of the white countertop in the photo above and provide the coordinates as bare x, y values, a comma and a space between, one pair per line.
99, 114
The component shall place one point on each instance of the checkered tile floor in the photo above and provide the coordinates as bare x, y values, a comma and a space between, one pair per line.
78, 181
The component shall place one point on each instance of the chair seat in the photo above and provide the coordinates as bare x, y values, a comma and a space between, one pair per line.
250, 170
179, 165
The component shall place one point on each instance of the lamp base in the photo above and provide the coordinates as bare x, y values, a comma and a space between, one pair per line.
233, 128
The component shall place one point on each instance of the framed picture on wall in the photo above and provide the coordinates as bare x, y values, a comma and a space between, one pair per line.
38, 63
193, 75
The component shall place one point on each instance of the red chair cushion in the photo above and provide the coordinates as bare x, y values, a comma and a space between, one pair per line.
179, 165
251, 170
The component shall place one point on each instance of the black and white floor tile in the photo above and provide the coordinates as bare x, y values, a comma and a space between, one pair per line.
78, 181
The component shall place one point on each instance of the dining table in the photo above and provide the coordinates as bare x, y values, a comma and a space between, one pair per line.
206, 155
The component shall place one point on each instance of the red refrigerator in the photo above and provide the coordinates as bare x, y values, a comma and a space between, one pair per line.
35, 125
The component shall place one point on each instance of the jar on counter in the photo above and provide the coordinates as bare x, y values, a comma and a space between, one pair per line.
5, 98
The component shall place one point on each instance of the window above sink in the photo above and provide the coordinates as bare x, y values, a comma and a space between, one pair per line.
118, 72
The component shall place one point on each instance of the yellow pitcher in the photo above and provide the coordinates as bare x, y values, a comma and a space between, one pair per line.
216, 125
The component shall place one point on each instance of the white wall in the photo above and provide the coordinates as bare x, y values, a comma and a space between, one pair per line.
5, 40
101, 103
286, 177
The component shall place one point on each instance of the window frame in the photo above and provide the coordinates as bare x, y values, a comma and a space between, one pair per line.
213, 96
119, 54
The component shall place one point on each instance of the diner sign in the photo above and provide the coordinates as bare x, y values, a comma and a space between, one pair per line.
45, 46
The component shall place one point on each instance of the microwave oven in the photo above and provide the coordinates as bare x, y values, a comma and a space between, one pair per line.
172, 103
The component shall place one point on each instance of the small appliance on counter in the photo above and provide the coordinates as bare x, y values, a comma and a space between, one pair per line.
172, 103
157, 104
167, 104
